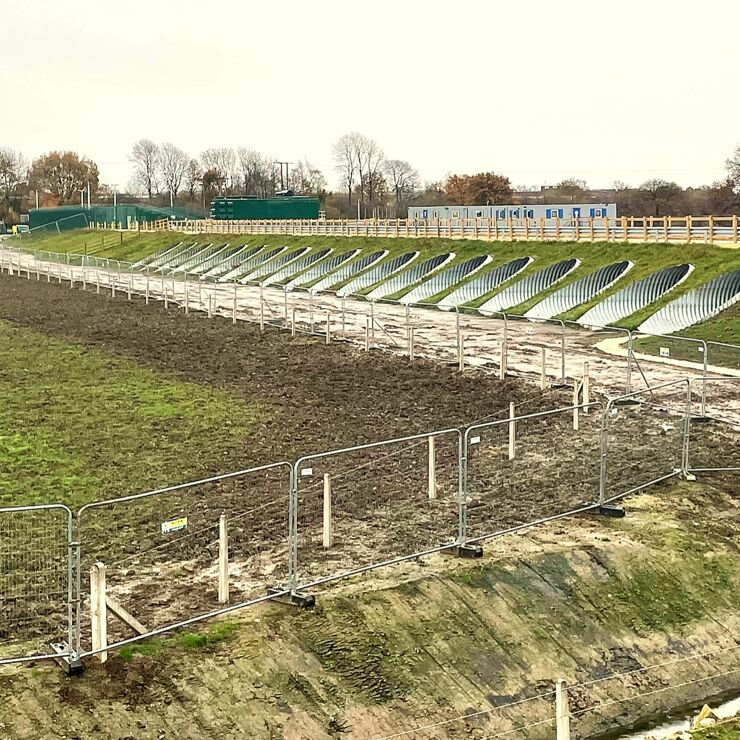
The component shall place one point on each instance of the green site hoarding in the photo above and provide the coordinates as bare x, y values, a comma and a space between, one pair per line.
258, 209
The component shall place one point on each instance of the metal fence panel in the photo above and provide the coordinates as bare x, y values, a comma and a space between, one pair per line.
361, 506
36, 587
160, 548
526, 468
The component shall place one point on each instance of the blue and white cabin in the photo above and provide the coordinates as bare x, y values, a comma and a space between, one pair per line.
513, 212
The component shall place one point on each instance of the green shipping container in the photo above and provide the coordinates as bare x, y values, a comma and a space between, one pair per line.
258, 209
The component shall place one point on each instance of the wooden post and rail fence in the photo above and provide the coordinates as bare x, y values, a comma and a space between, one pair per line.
724, 230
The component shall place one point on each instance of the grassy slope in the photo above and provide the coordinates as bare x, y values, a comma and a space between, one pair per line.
710, 261
90, 425
415, 645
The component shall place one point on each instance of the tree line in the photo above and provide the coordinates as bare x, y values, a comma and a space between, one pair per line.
370, 184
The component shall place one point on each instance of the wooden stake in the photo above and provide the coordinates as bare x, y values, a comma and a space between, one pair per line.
328, 327
223, 561
543, 369
233, 309
328, 537
575, 405
460, 353
292, 322
562, 711
586, 387
432, 460
411, 343
98, 610
512, 431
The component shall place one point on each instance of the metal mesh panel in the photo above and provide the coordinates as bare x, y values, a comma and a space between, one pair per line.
275, 264
554, 470
579, 291
483, 284
636, 296
161, 549
446, 279
298, 266
319, 271
349, 271
644, 439
714, 438
697, 305
529, 286
380, 504
382, 271
35, 587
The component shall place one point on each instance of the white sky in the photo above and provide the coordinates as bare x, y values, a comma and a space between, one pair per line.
537, 90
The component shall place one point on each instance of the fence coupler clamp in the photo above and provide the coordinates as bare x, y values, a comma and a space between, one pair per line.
70, 664
465, 551
615, 512
295, 598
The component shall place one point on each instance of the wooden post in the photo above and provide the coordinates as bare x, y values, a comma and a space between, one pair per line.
432, 476
562, 711
292, 322
223, 561
512, 431
210, 305
575, 404
187, 299
262, 311
233, 307
543, 369
328, 327
367, 333
97, 279
146, 291
734, 228
504, 354
461, 352
586, 387
98, 611
711, 228
327, 535
411, 343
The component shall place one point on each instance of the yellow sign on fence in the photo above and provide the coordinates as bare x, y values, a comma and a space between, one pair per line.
174, 525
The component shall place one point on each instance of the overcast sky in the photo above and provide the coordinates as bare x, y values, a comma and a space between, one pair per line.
537, 90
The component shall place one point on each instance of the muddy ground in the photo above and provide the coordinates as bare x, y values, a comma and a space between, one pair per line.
317, 398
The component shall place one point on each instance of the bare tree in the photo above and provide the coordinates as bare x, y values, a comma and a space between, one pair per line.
372, 157
307, 179
403, 180
13, 173
343, 153
223, 161
193, 175
174, 164
145, 158
733, 169
251, 165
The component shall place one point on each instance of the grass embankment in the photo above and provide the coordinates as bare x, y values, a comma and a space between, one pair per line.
709, 261
422, 644
79, 424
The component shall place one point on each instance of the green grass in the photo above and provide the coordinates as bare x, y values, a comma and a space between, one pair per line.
207, 639
727, 730
709, 261
78, 425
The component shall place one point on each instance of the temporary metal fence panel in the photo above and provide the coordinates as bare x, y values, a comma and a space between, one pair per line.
714, 425
298, 266
636, 296
446, 279
697, 305
275, 264
723, 355
161, 548
530, 286
643, 439
36, 584
376, 274
362, 506
522, 469
346, 272
244, 267
580, 291
319, 271
472, 290
409, 277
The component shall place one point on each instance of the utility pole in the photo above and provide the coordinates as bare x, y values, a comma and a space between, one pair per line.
284, 183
